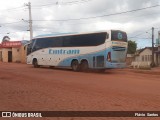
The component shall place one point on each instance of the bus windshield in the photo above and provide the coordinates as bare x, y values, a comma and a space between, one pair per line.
117, 35
29, 46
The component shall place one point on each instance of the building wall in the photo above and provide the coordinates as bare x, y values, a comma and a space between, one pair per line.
137, 58
129, 59
23, 54
16, 56
158, 59
0, 55
4, 52
145, 56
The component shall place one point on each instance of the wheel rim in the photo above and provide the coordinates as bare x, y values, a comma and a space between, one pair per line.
75, 65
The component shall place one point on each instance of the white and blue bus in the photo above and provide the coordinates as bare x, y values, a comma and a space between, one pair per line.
94, 50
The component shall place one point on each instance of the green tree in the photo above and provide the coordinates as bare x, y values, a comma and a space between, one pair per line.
132, 46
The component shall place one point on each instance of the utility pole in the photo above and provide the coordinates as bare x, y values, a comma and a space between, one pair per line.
153, 46
30, 20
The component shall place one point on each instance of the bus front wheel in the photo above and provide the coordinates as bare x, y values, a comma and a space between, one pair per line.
75, 66
35, 63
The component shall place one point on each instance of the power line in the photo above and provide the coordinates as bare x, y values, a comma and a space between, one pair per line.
45, 27
14, 32
10, 23
135, 10
9, 17
75, 2
136, 36
86, 22
139, 34
11, 9
63, 3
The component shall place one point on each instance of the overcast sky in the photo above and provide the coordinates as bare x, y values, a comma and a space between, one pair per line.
54, 16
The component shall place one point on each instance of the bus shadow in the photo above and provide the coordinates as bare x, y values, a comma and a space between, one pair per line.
55, 68
87, 72
107, 71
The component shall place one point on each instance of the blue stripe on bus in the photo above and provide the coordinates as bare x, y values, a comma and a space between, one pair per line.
89, 57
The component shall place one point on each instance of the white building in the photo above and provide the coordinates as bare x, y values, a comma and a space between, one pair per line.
143, 57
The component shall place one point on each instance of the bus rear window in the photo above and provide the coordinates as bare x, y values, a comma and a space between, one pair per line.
117, 35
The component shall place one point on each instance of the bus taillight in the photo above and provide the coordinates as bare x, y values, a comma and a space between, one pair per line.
109, 57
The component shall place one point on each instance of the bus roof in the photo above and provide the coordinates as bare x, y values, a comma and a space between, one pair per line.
53, 34
64, 34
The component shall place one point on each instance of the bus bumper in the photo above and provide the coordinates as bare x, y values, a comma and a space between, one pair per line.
115, 65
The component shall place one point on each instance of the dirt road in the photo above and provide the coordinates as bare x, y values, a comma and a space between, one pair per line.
23, 88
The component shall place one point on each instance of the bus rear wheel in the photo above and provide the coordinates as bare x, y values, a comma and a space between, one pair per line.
35, 63
84, 66
75, 66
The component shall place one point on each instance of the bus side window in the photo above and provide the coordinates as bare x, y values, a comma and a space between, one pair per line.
67, 41
57, 42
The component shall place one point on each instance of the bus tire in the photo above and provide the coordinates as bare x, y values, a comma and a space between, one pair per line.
75, 65
84, 66
35, 63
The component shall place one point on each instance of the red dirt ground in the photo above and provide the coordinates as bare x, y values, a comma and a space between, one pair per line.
24, 88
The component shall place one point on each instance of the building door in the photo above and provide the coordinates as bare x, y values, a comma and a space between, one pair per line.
9, 56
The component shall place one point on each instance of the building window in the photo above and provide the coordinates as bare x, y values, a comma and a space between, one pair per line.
142, 58
149, 59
